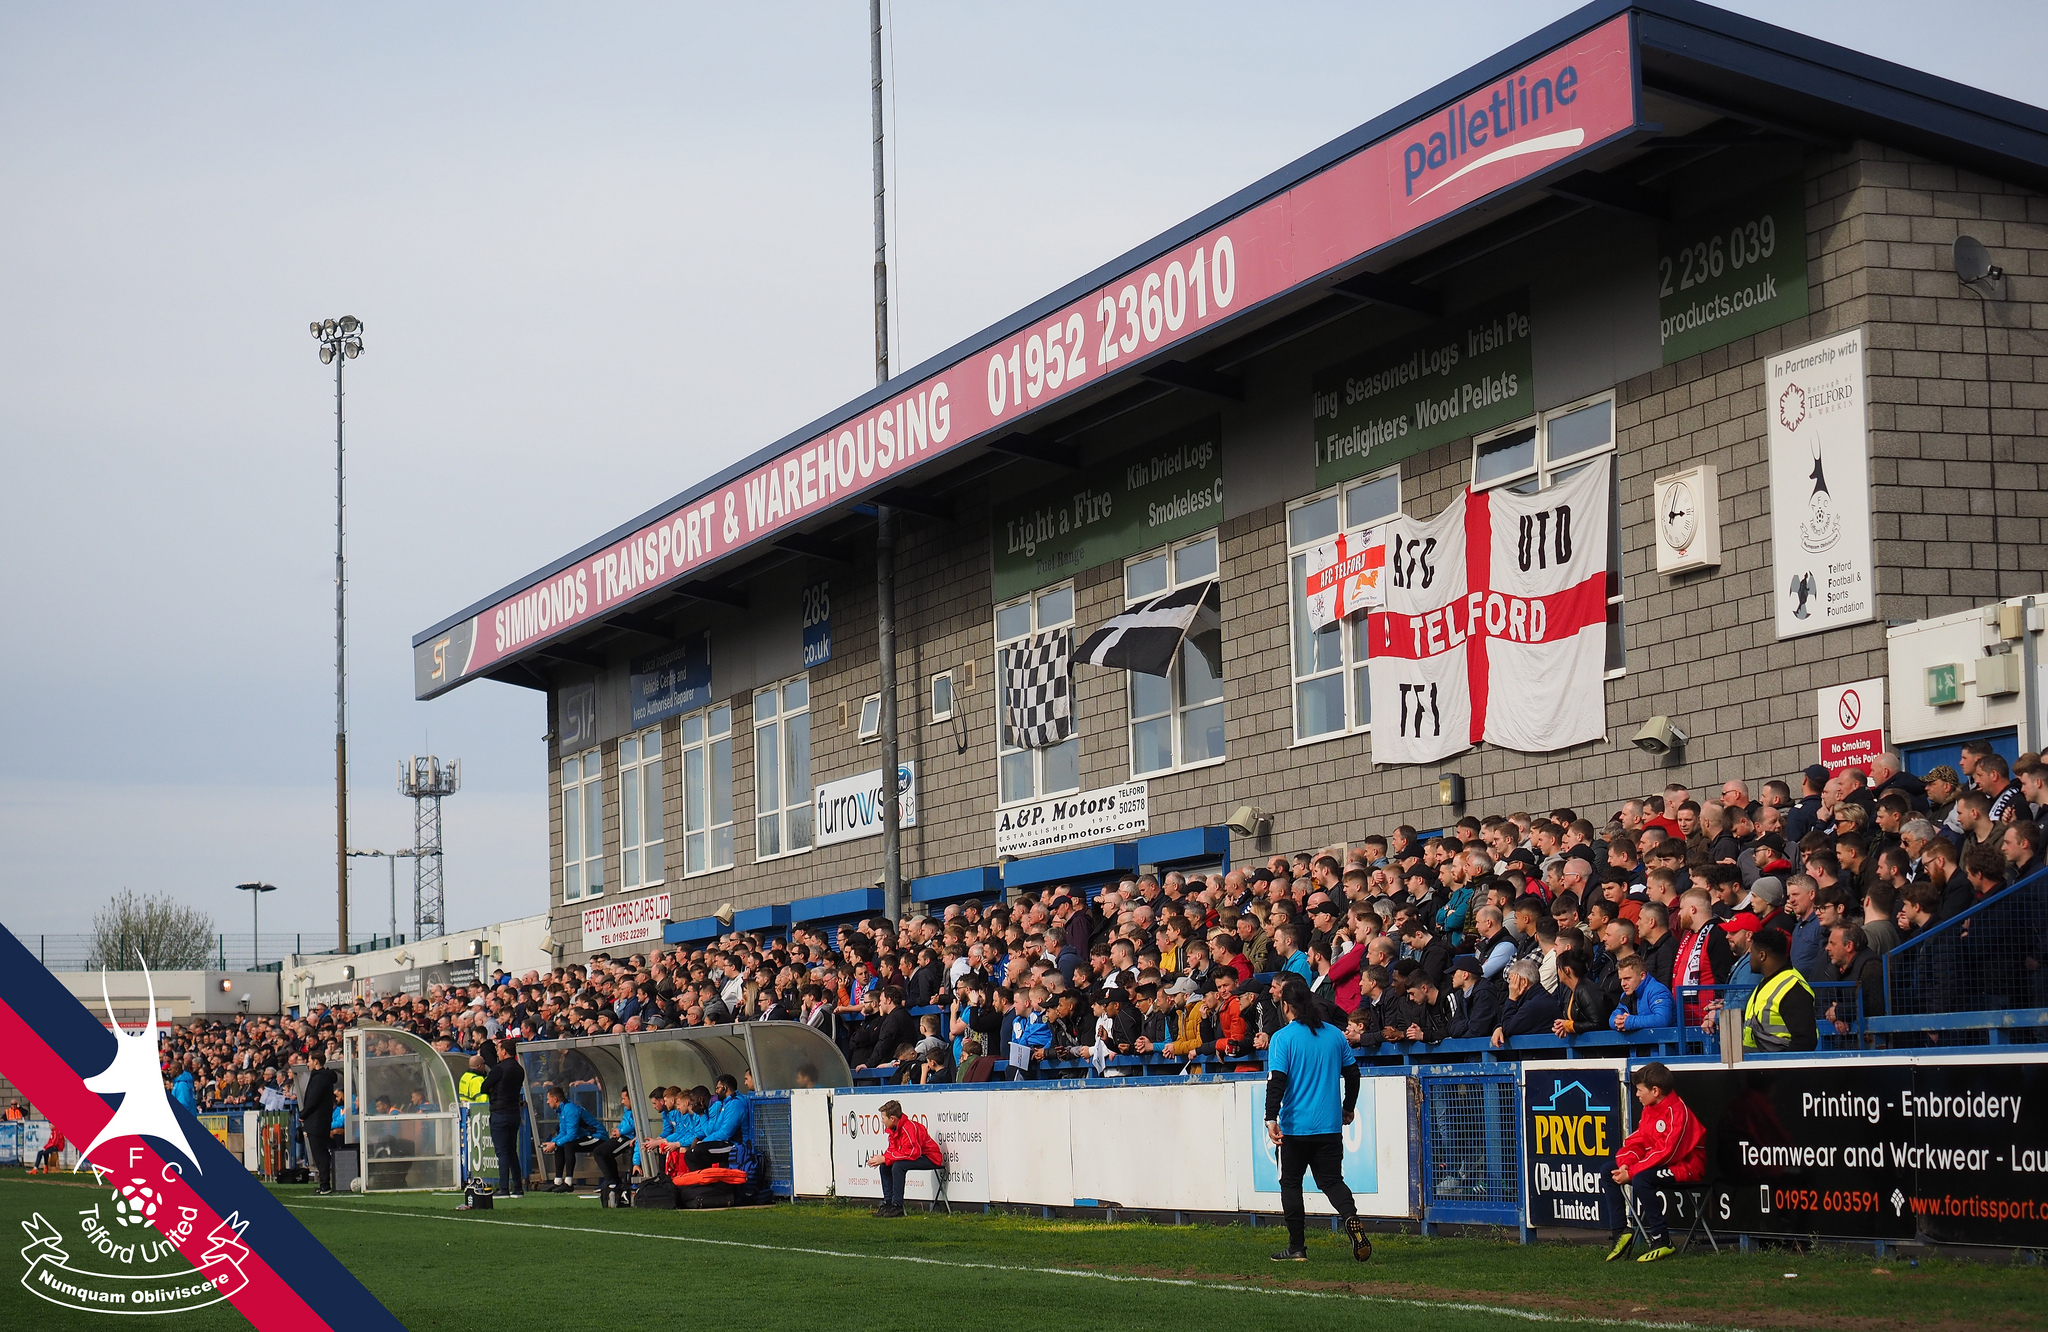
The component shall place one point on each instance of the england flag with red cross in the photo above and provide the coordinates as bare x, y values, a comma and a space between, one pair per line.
1495, 624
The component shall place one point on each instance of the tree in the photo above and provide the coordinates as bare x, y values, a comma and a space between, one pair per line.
168, 935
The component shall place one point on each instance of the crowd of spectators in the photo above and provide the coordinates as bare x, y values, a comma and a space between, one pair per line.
1667, 910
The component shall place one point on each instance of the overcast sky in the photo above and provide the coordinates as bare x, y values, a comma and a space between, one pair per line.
600, 251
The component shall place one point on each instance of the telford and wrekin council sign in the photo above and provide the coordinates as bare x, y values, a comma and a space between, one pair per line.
1572, 98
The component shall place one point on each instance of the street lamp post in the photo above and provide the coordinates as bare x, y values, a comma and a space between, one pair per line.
341, 341
256, 891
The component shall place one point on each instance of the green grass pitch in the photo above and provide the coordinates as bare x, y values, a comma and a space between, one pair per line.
553, 1261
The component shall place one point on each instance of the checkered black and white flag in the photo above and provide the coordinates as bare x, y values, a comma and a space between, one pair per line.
1146, 637
1038, 690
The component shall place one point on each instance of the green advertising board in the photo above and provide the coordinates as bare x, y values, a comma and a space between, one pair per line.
1146, 497
1457, 377
1734, 270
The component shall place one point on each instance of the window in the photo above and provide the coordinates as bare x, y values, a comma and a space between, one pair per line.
871, 718
582, 826
1027, 774
942, 696
640, 809
782, 768
1532, 455
707, 790
1177, 719
1330, 693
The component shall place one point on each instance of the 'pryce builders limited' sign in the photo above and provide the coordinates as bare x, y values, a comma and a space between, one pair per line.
1572, 98
1072, 820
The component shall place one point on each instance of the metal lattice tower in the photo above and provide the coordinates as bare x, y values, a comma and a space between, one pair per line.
426, 779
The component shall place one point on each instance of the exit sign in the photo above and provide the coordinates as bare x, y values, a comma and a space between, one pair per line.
1943, 684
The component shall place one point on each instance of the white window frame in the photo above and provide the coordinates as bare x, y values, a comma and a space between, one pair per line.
792, 807
1544, 471
712, 729
585, 797
1178, 707
1039, 791
871, 731
642, 863
940, 714
1352, 667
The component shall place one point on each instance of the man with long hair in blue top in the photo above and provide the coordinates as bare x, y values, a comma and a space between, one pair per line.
1311, 1094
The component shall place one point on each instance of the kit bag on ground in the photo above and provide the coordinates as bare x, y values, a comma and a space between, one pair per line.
477, 1198
698, 1197
655, 1193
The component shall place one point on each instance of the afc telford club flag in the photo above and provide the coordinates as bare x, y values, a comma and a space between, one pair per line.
1345, 576
1495, 624
1146, 637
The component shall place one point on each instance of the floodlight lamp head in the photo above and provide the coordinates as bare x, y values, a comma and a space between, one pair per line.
349, 324
1973, 262
353, 347
326, 353
326, 326
316, 328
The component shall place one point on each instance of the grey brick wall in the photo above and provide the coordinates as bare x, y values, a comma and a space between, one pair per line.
1701, 646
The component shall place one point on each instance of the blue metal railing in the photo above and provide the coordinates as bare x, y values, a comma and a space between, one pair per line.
1990, 957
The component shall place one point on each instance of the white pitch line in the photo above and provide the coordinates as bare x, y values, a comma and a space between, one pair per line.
1504, 1311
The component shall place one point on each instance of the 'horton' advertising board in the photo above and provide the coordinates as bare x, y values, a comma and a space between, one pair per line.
1460, 376
1146, 497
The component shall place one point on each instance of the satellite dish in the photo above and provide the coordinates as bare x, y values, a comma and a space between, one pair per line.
1973, 261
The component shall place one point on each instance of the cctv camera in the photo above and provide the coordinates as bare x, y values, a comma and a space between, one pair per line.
1249, 821
1659, 736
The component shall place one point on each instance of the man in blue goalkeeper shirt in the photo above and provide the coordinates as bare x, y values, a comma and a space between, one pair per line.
1311, 1094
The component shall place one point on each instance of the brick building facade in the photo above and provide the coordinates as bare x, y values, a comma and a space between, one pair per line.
1955, 511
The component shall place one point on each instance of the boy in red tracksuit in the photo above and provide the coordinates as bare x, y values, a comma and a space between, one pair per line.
53, 1150
1668, 1147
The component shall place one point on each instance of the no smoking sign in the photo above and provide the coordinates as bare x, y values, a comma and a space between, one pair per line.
1851, 721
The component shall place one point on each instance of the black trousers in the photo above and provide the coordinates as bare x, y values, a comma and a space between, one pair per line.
1322, 1154
565, 1154
1650, 1203
505, 1138
894, 1173
320, 1146
611, 1156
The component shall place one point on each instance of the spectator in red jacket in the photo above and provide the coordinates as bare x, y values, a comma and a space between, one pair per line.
1667, 1148
910, 1148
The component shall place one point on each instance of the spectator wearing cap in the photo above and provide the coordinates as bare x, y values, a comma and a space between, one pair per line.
1944, 786
1802, 817
1473, 1000
1529, 1009
1766, 896
1740, 928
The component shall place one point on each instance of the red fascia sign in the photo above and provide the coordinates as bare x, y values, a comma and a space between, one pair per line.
1574, 97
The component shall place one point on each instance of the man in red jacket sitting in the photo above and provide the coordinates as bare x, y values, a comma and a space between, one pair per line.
1669, 1147
910, 1148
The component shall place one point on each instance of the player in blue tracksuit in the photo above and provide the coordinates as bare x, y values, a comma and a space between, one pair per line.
575, 1131
615, 1158
730, 1118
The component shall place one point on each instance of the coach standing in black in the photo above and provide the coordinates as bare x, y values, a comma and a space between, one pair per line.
1311, 1094
505, 1089
316, 1119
